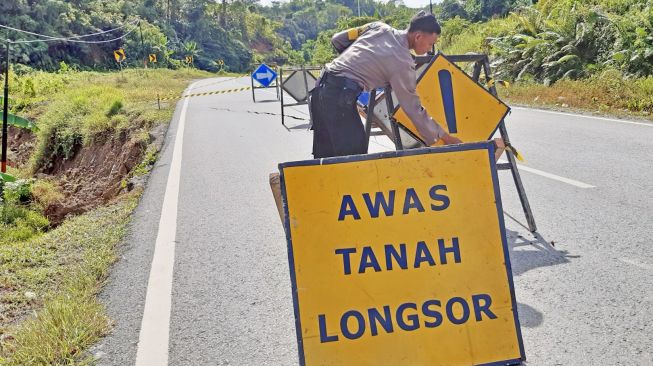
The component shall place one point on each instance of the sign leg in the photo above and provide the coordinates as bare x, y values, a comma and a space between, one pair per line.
283, 122
276, 84
253, 95
369, 118
530, 219
518, 182
477, 71
393, 121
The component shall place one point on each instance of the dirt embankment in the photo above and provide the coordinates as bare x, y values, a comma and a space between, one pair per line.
20, 146
94, 175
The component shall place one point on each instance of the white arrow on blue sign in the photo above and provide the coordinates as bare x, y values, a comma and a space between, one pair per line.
264, 75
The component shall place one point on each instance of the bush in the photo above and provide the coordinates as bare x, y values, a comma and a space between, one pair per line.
45, 193
17, 192
21, 69
20, 216
115, 107
17, 221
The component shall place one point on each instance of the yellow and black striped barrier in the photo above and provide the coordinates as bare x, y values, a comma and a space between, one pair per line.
225, 91
515, 152
490, 83
500, 82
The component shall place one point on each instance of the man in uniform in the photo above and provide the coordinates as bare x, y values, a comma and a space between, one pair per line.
372, 56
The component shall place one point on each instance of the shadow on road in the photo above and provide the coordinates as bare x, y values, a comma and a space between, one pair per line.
529, 317
303, 126
529, 251
534, 251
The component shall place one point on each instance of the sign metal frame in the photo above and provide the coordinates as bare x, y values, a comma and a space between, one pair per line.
423, 74
304, 101
395, 154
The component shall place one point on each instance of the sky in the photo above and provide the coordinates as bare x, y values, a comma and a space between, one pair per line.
409, 3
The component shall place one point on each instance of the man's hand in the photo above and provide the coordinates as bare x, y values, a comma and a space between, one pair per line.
450, 140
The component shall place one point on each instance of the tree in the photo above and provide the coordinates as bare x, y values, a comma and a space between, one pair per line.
450, 9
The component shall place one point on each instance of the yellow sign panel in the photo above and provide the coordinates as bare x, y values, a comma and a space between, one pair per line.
152, 57
119, 55
400, 258
456, 102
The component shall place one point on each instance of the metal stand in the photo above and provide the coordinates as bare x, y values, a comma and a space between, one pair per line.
369, 113
276, 86
395, 126
301, 98
481, 64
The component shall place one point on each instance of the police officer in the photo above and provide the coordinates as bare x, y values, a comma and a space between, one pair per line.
372, 56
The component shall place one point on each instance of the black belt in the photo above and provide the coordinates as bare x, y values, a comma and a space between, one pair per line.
330, 80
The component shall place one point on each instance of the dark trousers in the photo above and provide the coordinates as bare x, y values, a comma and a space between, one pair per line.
337, 127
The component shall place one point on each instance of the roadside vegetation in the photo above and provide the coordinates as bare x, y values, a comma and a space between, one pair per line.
592, 55
549, 50
52, 270
52, 279
606, 93
88, 106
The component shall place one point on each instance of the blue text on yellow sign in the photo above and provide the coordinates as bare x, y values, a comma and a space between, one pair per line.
455, 101
400, 258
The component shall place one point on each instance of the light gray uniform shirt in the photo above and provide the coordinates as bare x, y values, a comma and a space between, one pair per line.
377, 55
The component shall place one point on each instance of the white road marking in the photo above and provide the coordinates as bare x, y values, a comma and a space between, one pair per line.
572, 182
636, 263
155, 325
584, 116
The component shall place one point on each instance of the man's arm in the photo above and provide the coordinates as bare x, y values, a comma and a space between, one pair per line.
404, 84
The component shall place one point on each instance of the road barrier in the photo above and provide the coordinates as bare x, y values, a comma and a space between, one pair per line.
393, 253
235, 90
298, 84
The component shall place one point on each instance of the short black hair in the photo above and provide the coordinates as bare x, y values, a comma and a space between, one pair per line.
424, 22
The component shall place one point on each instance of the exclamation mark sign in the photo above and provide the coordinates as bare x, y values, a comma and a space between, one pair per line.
446, 89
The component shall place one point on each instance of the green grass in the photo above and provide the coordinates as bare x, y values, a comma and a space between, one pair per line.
86, 106
606, 93
148, 161
58, 275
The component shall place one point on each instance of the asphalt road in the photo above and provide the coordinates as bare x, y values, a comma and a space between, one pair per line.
585, 300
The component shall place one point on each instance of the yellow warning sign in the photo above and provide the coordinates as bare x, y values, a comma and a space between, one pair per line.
189, 59
455, 101
119, 55
400, 258
152, 57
